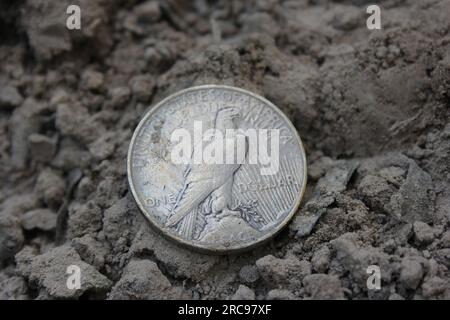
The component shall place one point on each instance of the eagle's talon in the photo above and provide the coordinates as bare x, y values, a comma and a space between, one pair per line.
228, 213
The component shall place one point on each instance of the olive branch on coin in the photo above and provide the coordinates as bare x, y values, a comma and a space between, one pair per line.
249, 214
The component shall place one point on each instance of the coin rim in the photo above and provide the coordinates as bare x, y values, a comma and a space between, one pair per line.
221, 249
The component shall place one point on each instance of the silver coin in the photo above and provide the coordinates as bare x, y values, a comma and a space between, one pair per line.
217, 168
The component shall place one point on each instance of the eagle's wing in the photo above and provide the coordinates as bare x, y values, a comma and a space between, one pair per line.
200, 181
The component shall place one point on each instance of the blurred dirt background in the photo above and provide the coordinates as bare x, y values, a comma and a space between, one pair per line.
372, 108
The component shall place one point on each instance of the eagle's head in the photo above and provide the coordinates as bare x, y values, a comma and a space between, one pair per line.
225, 117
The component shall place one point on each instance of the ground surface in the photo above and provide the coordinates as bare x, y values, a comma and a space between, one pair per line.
372, 108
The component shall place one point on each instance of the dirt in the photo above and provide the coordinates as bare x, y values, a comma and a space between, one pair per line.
372, 108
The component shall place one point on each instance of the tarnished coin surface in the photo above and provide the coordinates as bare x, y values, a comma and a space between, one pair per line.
217, 168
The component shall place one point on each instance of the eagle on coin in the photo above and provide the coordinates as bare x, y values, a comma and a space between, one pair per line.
207, 188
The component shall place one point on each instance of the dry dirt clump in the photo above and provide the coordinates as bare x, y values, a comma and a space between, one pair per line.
372, 108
